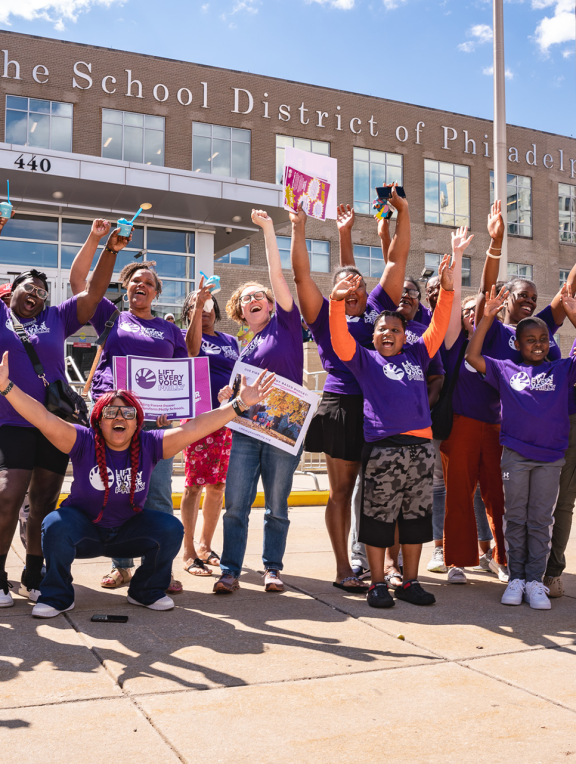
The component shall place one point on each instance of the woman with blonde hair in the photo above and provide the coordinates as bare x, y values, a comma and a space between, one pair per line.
274, 319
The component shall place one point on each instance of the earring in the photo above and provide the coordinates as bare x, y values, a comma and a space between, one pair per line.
125, 298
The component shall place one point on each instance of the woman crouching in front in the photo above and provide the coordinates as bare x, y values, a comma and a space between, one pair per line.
103, 515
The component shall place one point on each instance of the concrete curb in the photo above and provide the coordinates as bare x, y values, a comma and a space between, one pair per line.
296, 499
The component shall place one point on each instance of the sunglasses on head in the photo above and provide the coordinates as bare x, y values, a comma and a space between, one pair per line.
42, 294
111, 412
259, 295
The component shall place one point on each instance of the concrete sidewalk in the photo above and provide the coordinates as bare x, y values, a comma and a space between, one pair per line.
306, 677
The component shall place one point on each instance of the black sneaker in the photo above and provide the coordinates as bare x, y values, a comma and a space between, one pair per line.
412, 592
379, 596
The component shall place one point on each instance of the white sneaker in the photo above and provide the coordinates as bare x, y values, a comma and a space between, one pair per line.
32, 594
436, 564
41, 610
164, 603
484, 562
514, 592
535, 595
5, 596
457, 576
500, 570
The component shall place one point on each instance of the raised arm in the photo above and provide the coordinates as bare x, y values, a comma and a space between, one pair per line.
176, 439
384, 236
392, 280
434, 335
345, 222
493, 254
492, 304
569, 303
558, 312
60, 433
194, 333
83, 261
342, 341
282, 293
309, 296
459, 245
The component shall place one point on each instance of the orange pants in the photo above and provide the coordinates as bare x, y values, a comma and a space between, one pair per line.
472, 453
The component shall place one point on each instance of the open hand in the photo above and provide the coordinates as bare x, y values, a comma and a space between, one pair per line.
117, 243
345, 217
459, 240
100, 228
495, 222
262, 219
568, 301
4, 371
345, 287
446, 273
252, 394
494, 302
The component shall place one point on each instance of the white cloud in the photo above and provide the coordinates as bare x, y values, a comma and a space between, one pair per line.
481, 33
245, 5
391, 4
556, 29
205, 7
54, 11
343, 5
489, 70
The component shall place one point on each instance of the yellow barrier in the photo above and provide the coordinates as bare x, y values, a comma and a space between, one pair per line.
296, 499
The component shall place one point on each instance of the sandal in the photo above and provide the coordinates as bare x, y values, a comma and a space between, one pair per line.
197, 567
213, 559
388, 580
116, 578
359, 588
175, 587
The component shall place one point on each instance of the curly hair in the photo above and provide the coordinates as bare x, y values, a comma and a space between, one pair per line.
348, 270
187, 307
95, 418
234, 306
129, 270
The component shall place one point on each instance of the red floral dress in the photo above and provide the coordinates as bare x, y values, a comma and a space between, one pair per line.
207, 459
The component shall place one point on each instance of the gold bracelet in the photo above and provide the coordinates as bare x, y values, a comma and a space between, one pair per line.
494, 257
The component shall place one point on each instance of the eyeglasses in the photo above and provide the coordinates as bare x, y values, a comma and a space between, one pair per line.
31, 288
246, 298
111, 412
411, 293
469, 311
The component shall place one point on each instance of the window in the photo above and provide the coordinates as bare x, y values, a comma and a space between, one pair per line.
219, 150
432, 261
318, 252
240, 256
518, 204
518, 270
316, 147
133, 137
42, 124
369, 260
564, 273
30, 241
447, 193
567, 212
373, 169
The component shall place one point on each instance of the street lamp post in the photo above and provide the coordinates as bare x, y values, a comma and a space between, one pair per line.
499, 136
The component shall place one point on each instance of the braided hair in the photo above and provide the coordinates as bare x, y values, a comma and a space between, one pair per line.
100, 444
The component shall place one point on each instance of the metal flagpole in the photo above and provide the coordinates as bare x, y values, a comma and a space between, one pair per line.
499, 137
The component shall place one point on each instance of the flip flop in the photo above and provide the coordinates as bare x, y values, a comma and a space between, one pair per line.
388, 580
362, 589
197, 568
213, 559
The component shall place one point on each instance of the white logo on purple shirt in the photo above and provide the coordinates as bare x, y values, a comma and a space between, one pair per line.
121, 479
520, 381
411, 338
31, 329
255, 343
96, 480
511, 341
210, 348
146, 331
543, 383
230, 352
414, 372
393, 372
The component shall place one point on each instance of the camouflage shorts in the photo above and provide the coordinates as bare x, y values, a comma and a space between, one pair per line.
399, 479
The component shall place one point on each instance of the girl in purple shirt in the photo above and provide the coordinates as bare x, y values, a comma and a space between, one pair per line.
113, 462
27, 459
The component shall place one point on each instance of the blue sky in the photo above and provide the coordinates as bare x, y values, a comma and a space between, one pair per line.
434, 53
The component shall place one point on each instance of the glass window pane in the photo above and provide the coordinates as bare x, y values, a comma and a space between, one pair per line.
376, 253
461, 171
39, 130
241, 256
75, 231
167, 241
431, 191
377, 178
43, 107
199, 128
378, 156
430, 166
13, 102
394, 175
284, 140
16, 122
221, 157
446, 168
218, 131
240, 160
154, 123
321, 247
320, 263
279, 165
134, 120
361, 182
19, 252
108, 115
394, 159
174, 291
170, 265
240, 135
31, 227
154, 148
362, 154
133, 144
112, 141
430, 217
303, 144
362, 208
62, 109
363, 265
320, 147
376, 268
61, 134
201, 148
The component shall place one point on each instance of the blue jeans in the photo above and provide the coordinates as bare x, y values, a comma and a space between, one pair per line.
484, 532
67, 534
159, 494
438, 495
250, 459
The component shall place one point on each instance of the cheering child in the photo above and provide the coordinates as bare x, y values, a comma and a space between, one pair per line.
534, 434
398, 458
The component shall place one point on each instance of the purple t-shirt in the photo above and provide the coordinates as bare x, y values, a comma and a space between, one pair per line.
423, 315
499, 342
395, 390
278, 347
87, 491
572, 392
340, 379
222, 350
534, 411
473, 396
47, 333
147, 338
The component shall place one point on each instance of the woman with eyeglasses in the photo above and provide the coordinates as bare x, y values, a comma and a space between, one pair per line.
274, 319
206, 459
28, 461
105, 514
136, 332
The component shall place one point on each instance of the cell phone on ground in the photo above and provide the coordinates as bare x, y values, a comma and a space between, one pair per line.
385, 192
109, 618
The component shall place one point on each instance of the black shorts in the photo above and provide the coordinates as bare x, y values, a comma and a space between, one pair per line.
337, 428
23, 448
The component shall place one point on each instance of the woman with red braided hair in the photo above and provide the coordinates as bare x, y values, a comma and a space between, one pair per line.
113, 462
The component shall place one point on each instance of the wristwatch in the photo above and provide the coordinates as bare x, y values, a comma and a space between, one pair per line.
238, 410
